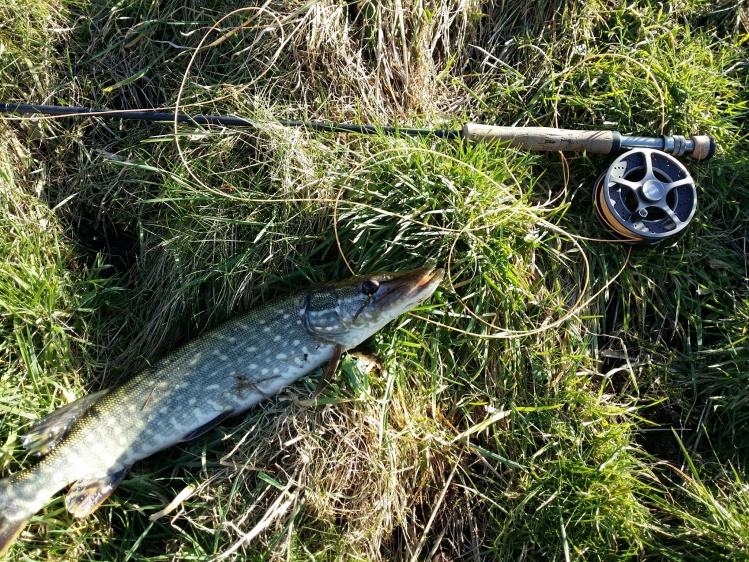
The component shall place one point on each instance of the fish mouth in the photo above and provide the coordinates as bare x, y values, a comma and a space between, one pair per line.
429, 282
418, 285
405, 290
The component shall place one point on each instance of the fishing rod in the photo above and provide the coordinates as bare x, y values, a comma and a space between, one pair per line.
645, 195
700, 147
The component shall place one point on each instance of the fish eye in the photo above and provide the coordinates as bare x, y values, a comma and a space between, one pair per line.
369, 287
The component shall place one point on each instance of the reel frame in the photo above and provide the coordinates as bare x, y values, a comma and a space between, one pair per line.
645, 196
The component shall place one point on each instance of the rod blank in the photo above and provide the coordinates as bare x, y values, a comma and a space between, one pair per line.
221, 120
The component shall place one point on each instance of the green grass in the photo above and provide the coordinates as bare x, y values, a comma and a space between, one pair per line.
508, 429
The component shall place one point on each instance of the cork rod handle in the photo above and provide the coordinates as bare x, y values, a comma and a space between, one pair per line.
545, 138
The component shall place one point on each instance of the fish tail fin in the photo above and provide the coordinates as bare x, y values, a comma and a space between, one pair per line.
21, 497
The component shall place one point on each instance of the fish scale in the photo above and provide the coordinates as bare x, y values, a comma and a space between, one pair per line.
90, 444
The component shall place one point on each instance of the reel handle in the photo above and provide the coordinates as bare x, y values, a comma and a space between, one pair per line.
701, 147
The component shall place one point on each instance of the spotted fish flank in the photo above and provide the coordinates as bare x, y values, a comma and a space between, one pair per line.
92, 443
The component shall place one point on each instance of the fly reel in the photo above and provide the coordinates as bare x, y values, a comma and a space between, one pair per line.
645, 196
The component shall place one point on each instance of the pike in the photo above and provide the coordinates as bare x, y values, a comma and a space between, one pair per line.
91, 443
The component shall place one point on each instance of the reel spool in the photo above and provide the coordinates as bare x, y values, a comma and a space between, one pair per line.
645, 196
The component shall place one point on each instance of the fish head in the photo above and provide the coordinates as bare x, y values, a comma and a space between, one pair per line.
346, 313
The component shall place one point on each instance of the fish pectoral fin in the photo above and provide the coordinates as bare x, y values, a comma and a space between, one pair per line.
86, 495
44, 434
329, 371
208, 426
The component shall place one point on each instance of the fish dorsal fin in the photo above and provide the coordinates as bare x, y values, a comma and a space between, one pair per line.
86, 495
46, 433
